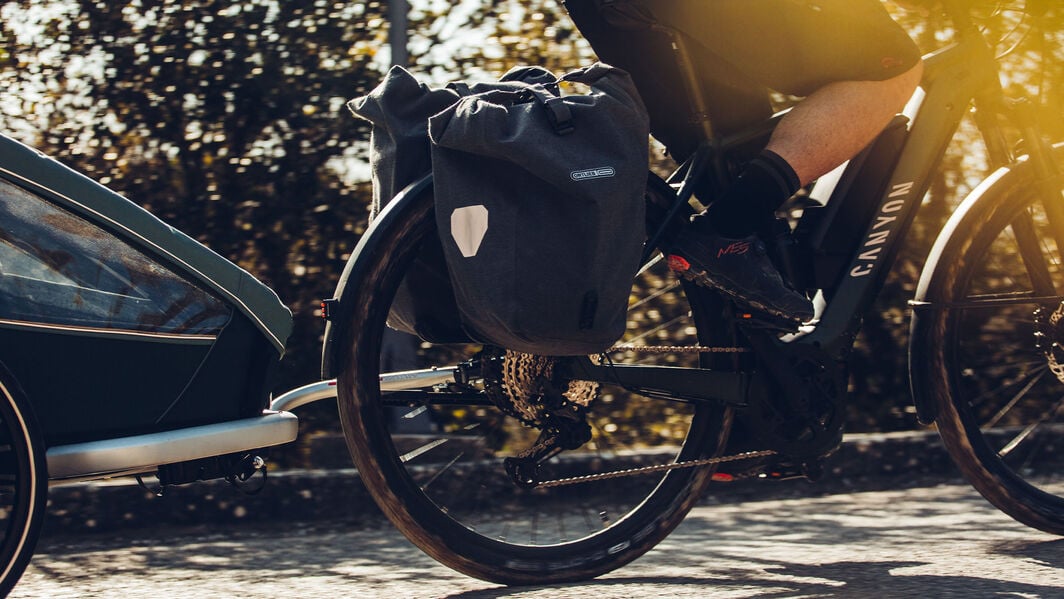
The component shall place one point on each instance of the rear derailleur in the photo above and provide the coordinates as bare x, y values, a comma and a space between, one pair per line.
524, 387
523, 468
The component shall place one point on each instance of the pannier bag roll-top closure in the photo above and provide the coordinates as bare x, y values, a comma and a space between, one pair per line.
399, 109
540, 208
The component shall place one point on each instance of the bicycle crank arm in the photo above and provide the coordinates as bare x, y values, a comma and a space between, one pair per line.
691, 385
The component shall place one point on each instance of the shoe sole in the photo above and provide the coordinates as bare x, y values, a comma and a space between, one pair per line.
779, 320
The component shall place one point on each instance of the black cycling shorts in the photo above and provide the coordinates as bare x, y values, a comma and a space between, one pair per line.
795, 46
739, 50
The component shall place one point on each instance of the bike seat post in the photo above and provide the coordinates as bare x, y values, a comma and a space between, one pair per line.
690, 79
958, 12
708, 159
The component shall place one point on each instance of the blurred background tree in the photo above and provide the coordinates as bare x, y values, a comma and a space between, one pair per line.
227, 120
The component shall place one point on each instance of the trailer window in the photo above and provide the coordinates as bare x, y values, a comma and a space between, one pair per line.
57, 268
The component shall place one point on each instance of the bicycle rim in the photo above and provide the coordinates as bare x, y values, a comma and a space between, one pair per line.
1002, 410
23, 485
437, 469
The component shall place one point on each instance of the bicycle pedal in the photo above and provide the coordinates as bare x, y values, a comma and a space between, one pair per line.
811, 471
767, 322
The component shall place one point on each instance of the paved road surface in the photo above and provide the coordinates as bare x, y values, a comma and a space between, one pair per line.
941, 541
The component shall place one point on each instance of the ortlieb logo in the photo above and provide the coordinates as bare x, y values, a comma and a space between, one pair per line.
592, 173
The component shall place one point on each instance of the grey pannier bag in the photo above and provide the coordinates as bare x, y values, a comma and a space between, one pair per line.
399, 109
540, 208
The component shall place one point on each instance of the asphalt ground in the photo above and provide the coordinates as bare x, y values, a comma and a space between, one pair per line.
931, 540
333, 490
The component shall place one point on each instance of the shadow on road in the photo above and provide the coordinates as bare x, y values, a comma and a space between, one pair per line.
940, 541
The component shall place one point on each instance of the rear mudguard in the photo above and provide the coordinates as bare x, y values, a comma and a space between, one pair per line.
395, 211
934, 283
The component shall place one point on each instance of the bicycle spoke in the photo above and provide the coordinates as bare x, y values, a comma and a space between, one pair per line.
1030, 250
656, 260
666, 326
440, 472
650, 298
1034, 378
1054, 213
415, 413
422, 450
1016, 441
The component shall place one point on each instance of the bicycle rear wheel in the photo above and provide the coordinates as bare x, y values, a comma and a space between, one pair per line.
988, 348
23, 482
433, 457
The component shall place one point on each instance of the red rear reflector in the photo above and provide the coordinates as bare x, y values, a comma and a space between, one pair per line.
327, 308
722, 477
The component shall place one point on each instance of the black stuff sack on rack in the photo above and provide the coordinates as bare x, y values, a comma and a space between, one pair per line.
540, 208
398, 110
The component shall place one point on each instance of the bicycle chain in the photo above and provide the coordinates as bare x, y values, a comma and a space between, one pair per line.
678, 349
520, 370
558, 482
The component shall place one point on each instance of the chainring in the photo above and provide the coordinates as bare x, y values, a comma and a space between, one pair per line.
798, 409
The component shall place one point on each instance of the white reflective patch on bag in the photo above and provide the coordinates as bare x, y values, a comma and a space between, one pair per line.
469, 224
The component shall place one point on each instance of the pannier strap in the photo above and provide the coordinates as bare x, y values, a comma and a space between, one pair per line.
461, 87
559, 115
590, 74
558, 112
539, 84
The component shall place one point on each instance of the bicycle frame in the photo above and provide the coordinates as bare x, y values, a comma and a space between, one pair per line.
949, 86
901, 162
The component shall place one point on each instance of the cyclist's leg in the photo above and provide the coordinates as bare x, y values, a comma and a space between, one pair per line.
735, 103
810, 137
855, 64
795, 46
857, 68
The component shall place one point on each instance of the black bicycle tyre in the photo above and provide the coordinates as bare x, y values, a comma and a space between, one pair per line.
23, 472
459, 547
938, 359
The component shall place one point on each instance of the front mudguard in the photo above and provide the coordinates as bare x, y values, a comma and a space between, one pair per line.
932, 291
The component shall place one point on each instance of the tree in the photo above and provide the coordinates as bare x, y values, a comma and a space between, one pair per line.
226, 120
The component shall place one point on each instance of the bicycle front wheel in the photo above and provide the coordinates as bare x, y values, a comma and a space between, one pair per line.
988, 346
433, 456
